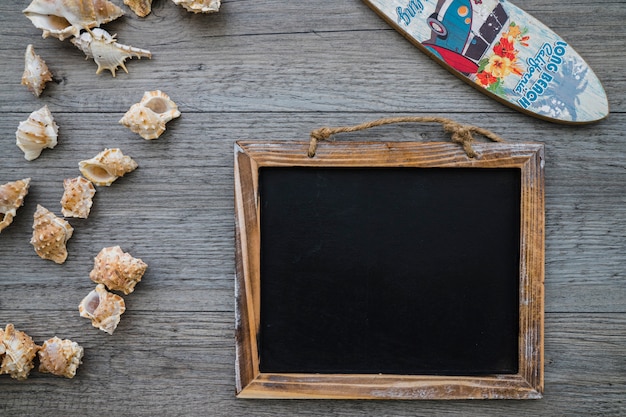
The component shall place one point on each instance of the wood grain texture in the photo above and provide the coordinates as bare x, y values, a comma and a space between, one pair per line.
275, 70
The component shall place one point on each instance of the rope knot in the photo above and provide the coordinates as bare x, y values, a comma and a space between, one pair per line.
323, 133
462, 135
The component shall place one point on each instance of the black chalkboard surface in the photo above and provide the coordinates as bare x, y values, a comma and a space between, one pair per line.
389, 270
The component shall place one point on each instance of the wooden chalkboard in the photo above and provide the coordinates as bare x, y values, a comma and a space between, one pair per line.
389, 270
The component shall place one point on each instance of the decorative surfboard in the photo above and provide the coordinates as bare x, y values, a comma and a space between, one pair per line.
504, 52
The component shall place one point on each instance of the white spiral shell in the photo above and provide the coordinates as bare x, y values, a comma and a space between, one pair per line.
148, 117
17, 352
103, 308
36, 73
60, 357
107, 166
199, 6
11, 198
105, 51
37, 132
64, 18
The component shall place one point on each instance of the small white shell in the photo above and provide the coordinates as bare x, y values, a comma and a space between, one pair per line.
142, 8
19, 352
60, 357
117, 270
37, 132
102, 308
148, 117
107, 166
65, 18
36, 73
77, 198
50, 235
11, 198
199, 6
105, 51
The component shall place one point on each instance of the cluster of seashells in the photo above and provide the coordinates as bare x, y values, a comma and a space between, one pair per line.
114, 270
118, 271
60, 357
50, 232
146, 118
81, 20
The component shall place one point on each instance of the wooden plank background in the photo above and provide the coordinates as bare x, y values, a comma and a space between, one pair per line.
275, 70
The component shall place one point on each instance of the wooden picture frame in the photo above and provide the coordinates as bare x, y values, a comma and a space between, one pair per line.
251, 382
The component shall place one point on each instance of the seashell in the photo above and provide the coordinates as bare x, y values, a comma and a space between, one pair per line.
50, 235
77, 198
142, 8
36, 73
60, 357
64, 18
149, 116
107, 166
19, 352
199, 6
11, 198
117, 270
37, 132
103, 308
105, 51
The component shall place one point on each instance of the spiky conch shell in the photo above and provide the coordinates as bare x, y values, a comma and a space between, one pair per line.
77, 197
142, 8
199, 6
103, 308
37, 132
36, 73
105, 51
19, 352
11, 198
104, 168
148, 117
117, 270
60, 357
64, 18
50, 235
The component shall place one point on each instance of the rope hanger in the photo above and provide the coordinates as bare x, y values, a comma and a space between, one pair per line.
461, 134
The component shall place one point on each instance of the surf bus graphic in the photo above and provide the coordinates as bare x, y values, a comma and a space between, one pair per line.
503, 51
461, 35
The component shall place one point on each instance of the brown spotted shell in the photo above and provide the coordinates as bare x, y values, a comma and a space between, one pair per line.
142, 8
60, 357
107, 166
64, 18
19, 352
148, 117
199, 6
50, 235
117, 270
103, 308
37, 132
77, 198
11, 198
36, 73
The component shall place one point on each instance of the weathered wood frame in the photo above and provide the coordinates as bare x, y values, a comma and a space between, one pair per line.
251, 383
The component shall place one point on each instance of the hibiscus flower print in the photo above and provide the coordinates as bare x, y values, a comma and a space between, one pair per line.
503, 62
501, 66
505, 49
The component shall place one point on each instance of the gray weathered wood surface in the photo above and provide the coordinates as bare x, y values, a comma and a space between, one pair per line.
276, 70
